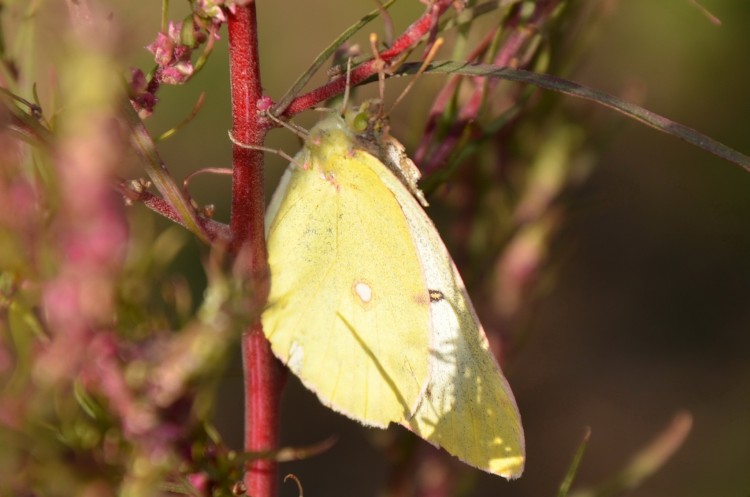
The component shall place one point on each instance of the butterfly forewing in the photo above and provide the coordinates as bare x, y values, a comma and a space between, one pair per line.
348, 309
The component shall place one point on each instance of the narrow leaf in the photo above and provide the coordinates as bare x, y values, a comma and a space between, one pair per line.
160, 176
573, 469
571, 88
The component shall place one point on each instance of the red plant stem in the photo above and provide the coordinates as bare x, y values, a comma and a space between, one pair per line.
263, 374
247, 185
264, 379
415, 32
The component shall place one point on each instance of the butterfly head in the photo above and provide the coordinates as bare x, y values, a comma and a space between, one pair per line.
367, 122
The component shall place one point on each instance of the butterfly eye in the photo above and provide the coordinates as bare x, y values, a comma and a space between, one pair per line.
360, 122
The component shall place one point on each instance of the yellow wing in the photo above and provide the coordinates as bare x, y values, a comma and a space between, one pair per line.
368, 309
348, 309
468, 407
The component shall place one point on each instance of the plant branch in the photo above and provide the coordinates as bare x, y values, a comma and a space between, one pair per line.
264, 376
215, 231
418, 30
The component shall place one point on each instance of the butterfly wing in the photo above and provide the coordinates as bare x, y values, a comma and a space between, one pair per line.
468, 407
368, 309
348, 309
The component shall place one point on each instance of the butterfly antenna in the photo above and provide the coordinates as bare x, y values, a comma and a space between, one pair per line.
348, 85
380, 65
387, 23
428, 58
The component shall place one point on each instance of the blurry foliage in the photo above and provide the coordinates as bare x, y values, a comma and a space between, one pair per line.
107, 367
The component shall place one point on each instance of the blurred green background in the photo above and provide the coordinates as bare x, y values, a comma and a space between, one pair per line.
649, 313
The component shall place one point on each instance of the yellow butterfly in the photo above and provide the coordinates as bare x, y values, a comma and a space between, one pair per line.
366, 306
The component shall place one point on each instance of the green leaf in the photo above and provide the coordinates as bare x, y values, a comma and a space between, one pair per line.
575, 463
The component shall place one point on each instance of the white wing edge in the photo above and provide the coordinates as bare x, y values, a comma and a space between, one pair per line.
426, 238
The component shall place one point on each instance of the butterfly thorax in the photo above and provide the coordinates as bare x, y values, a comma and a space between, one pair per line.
367, 129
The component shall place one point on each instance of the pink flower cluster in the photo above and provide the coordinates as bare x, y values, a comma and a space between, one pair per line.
173, 50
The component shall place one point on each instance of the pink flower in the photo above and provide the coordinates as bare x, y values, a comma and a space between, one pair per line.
177, 74
162, 48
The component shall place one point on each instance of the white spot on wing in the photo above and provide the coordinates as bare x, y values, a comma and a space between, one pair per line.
363, 291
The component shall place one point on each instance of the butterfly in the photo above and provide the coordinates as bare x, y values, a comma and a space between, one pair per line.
366, 306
